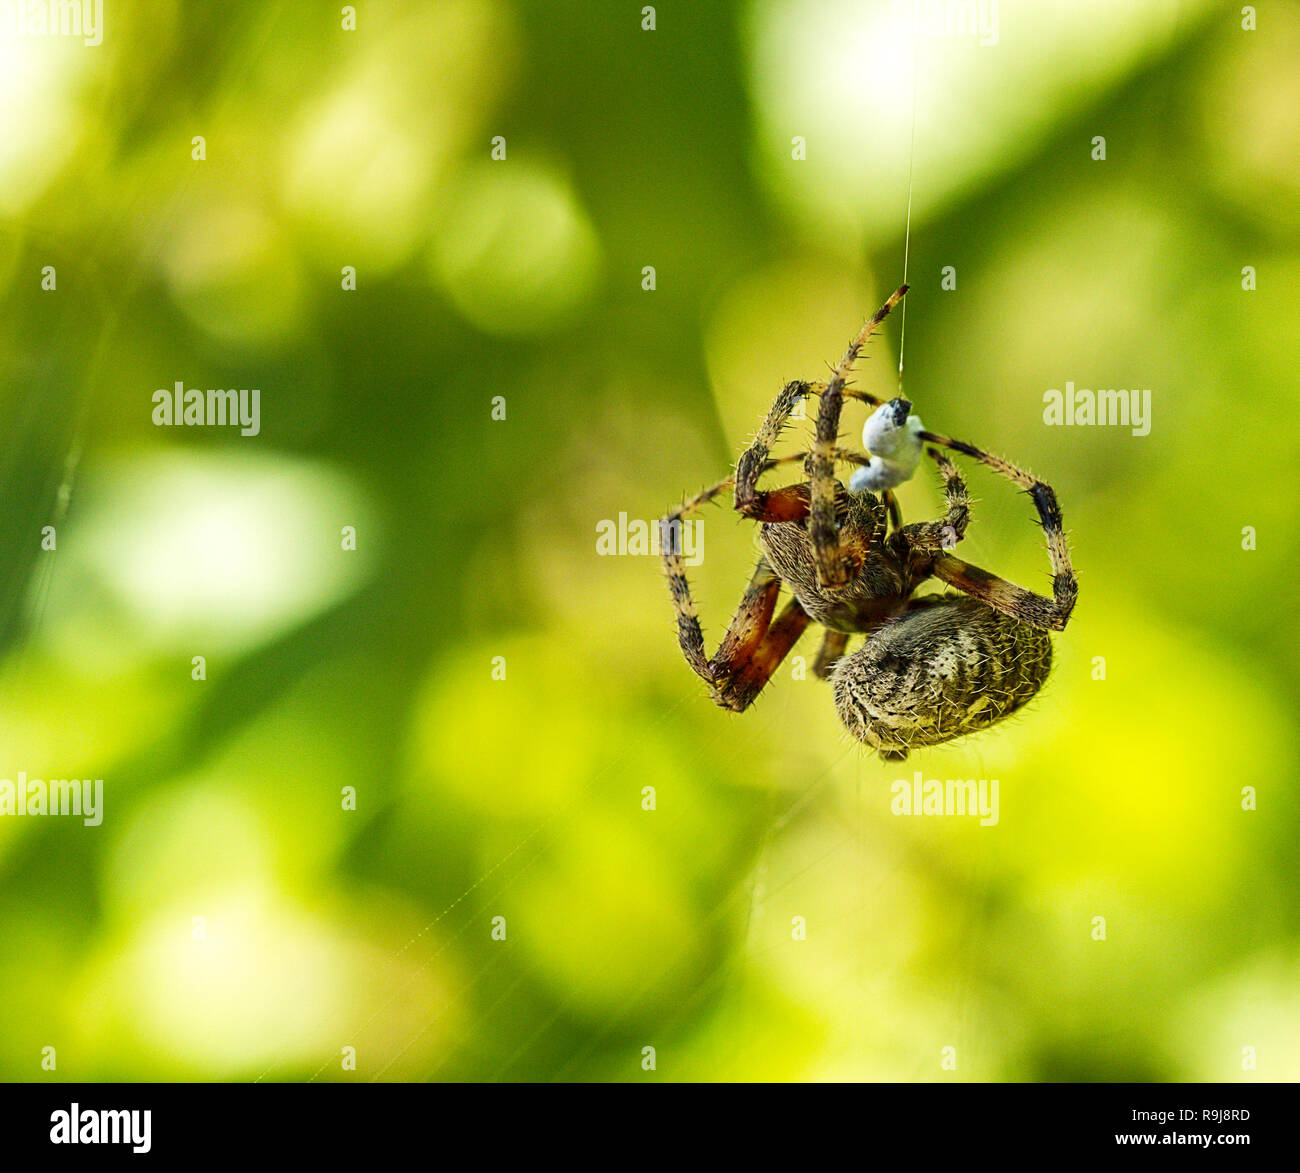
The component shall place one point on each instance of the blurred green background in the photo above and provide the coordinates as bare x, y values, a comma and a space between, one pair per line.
230, 919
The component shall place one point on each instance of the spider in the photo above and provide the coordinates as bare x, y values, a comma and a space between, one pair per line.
934, 667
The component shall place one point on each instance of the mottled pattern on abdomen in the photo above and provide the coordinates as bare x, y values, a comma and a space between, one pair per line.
948, 667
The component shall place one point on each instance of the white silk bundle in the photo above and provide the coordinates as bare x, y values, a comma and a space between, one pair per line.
892, 438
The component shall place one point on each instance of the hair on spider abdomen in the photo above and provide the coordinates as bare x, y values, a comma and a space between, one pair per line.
948, 666
933, 667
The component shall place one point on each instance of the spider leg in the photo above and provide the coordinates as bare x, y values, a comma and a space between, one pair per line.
848, 392
951, 528
833, 568
754, 645
830, 653
836, 453
1036, 610
891, 504
887, 497
791, 502
778, 504
689, 634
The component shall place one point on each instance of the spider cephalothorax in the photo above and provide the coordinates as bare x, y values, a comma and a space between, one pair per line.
933, 667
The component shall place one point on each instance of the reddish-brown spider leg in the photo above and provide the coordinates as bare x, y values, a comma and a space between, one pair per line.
754, 645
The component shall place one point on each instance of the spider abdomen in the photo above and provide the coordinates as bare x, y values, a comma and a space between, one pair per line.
945, 668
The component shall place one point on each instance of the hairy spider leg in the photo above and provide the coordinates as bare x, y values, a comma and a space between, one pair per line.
1036, 610
891, 505
833, 567
689, 634
788, 504
949, 529
754, 645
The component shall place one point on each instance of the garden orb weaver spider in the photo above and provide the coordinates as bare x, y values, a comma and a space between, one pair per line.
933, 668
